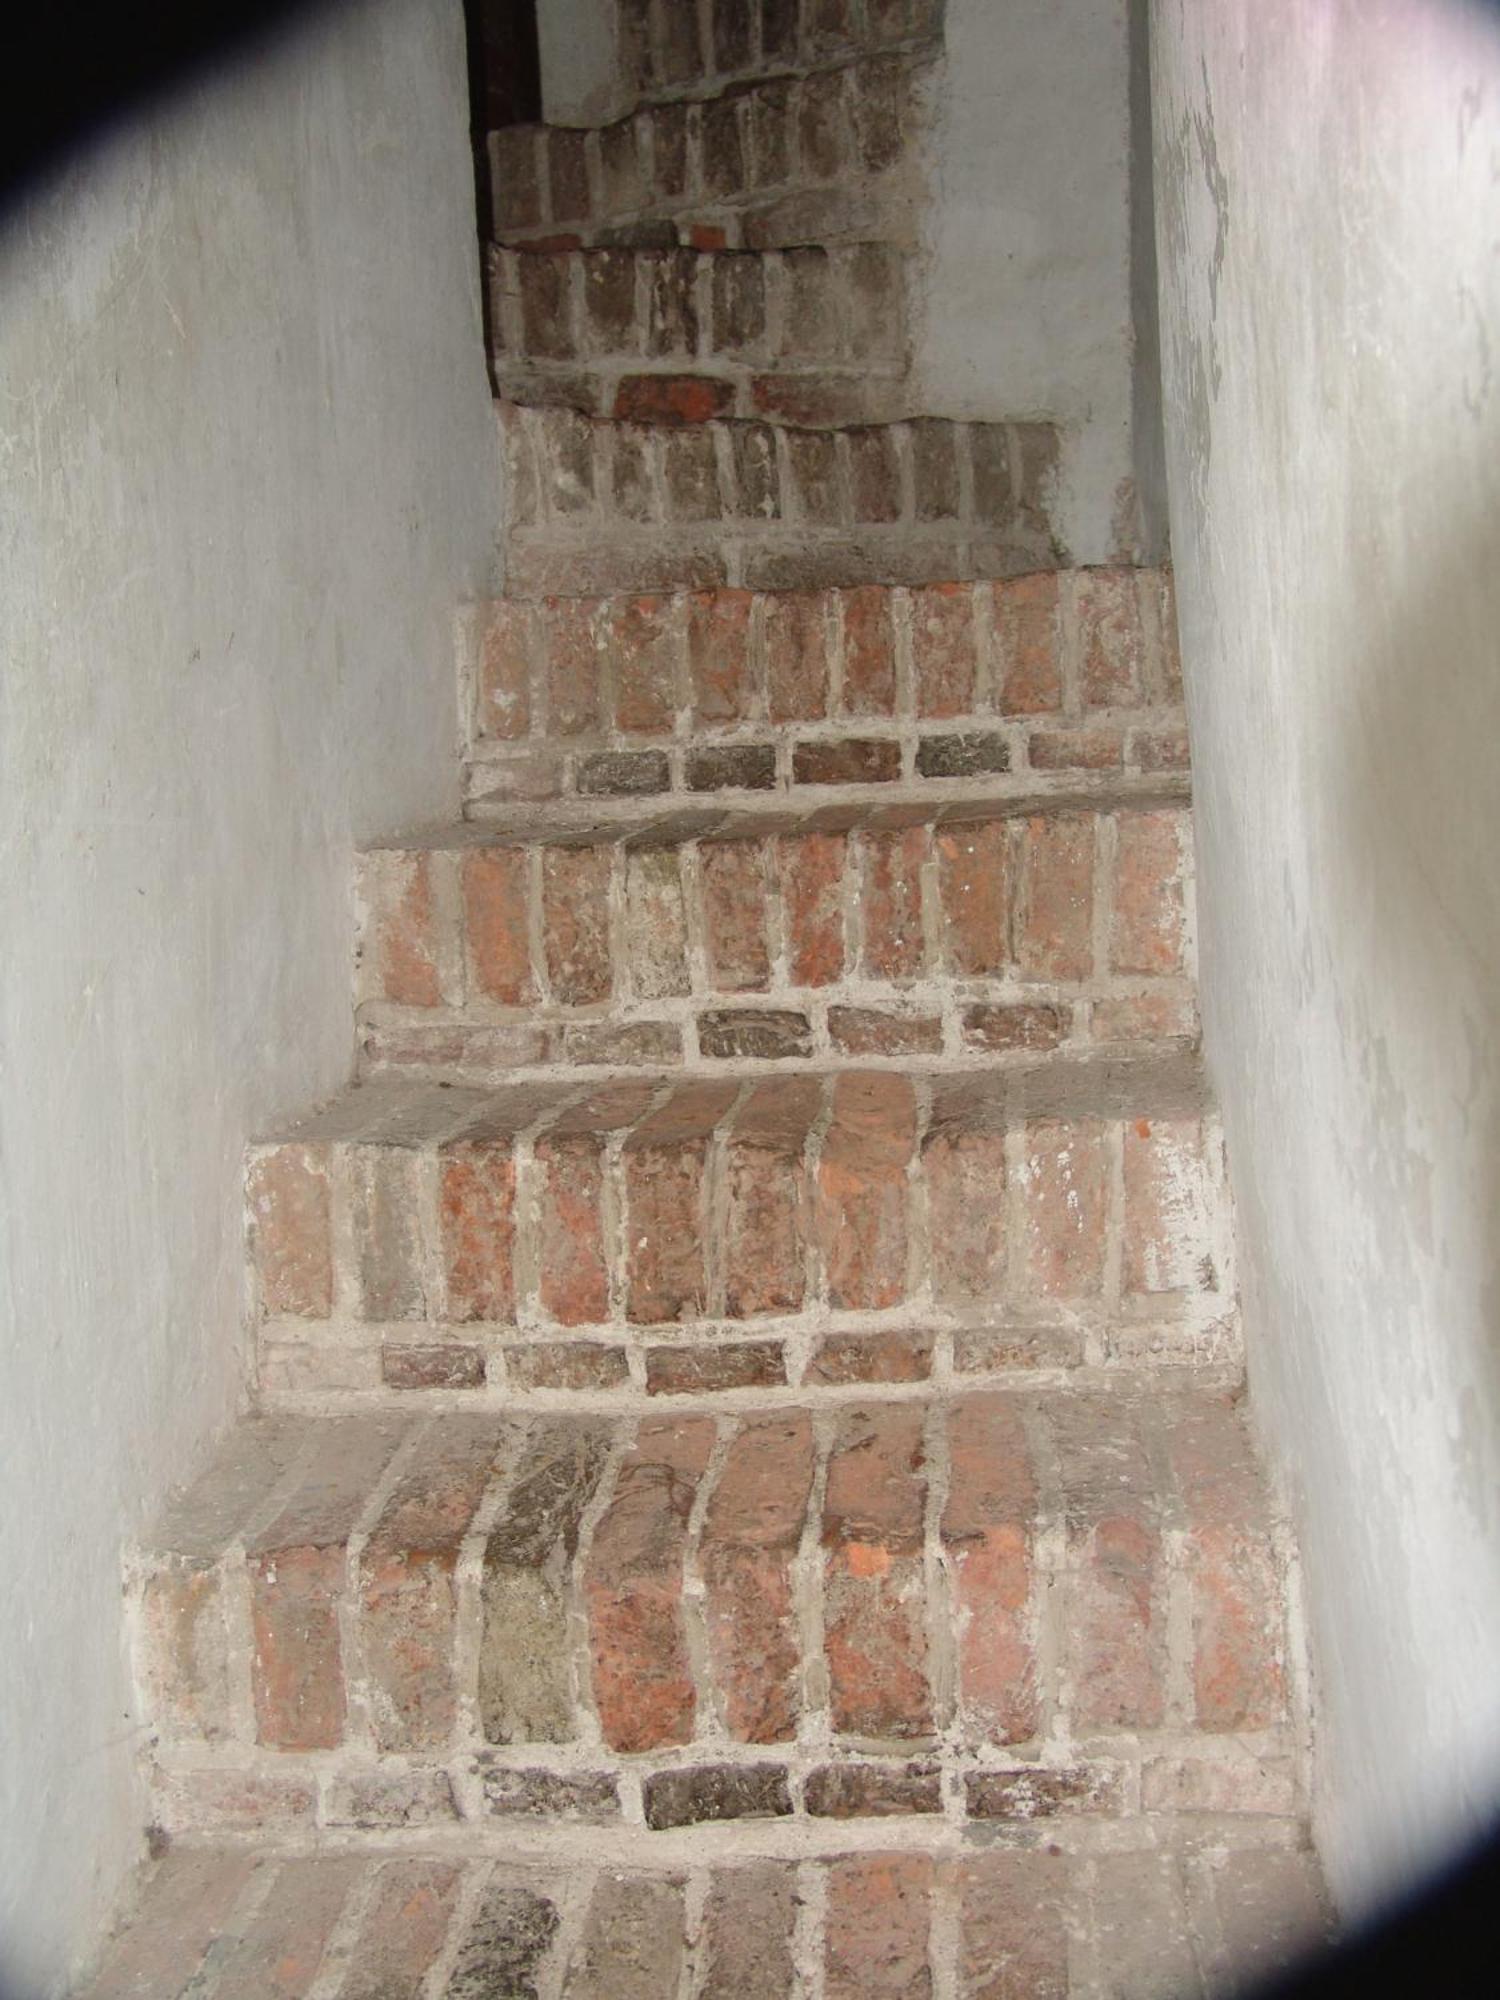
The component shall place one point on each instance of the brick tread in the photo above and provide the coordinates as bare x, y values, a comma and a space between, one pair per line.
1000, 1607
441, 1925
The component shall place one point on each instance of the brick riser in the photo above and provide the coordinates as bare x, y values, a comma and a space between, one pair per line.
806, 336
1045, 1923
821, 159
711, 1235
975, 938
1047, 680
596, 507
1000, 1608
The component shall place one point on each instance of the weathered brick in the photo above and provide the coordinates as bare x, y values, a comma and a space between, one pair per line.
750, 1542
616, 1043
573, 1281
1144, 1017
987, 1533
546, 311
875, 1641
643, 1687
633, 1942
872, 1791
386, 1206
506, 646
296, 1569
589, 1796
1055, 898
1013, 1925
1076, 749
476, 1210
187, 1651
756, 482
656, 923
875, 479
1114, 1547
966, 1181
766, 1198
716, 1792
797, 655
665, 1158
817, 490
718, 639
861, 1189
567, 1364
496, 923
525, 1693
810, 869
672, 399
514, 179
1109, 637
575, 923
507, 1942
405, 934
734, 915
1002, 1027
644, 646
974, 894
974, 754
1167, 1208
1027, 644
848, 760
944, 654
904, 1356
403, 1930
573, 665
1062, 1197
1148, 925
871, 1031
707, 1369
449, 1365
287, 1937
1040, 1792
771, 1032
408, 1589
748, 1927
287, 1192
869, 683
878, 1920
894, 943
731, 767
622, 774
691, 474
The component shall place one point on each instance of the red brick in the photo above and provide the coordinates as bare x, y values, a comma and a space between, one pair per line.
974, 893
289, 1231
403, 1931
766, 1225
1005, 1027
1149, 925
862, 1192
665, 1160
871, 1031
448, 1365
987, 1532
573, 1283
296, 1566
386, 1210
1028, 669
1055, 904
575, 923
1012, 1923
567, 1364
573, 665
644, 646
943, 650
506, 649
734, 915
869, 686
875, 1640
406, 942
672, 399
1109, 638
797, 668
719, 655
1114, 1549
477, 1218
707, 1368
643, 1686
189, 1901
494, 884
1144, 1017
747, 1934
1062, 1197
846, 760
750, 1542
965, 1176
866, 1790
1076, 749
188, 1651
905, 1356
879, 1909
810, 867
277, 1955
1166, 1208
1237, 1672
1160, 749
656, 922
891, 902
408, 1587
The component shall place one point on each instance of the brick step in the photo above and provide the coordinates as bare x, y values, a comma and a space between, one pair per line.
1200, 1919
830, 157
672, 51
598, 506
991, 1608
1003, 927
1039, 678
742, 1231
812, 336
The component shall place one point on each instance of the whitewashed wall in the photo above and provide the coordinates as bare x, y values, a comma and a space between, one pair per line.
247, 470
1328, 183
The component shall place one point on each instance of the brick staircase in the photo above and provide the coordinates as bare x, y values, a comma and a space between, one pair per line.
747, 1492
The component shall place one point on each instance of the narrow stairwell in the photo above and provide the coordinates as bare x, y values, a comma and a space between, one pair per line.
747, 1492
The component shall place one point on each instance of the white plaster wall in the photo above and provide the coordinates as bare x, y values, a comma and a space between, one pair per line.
247, 470
1328, 174
583, 75
1024, 303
